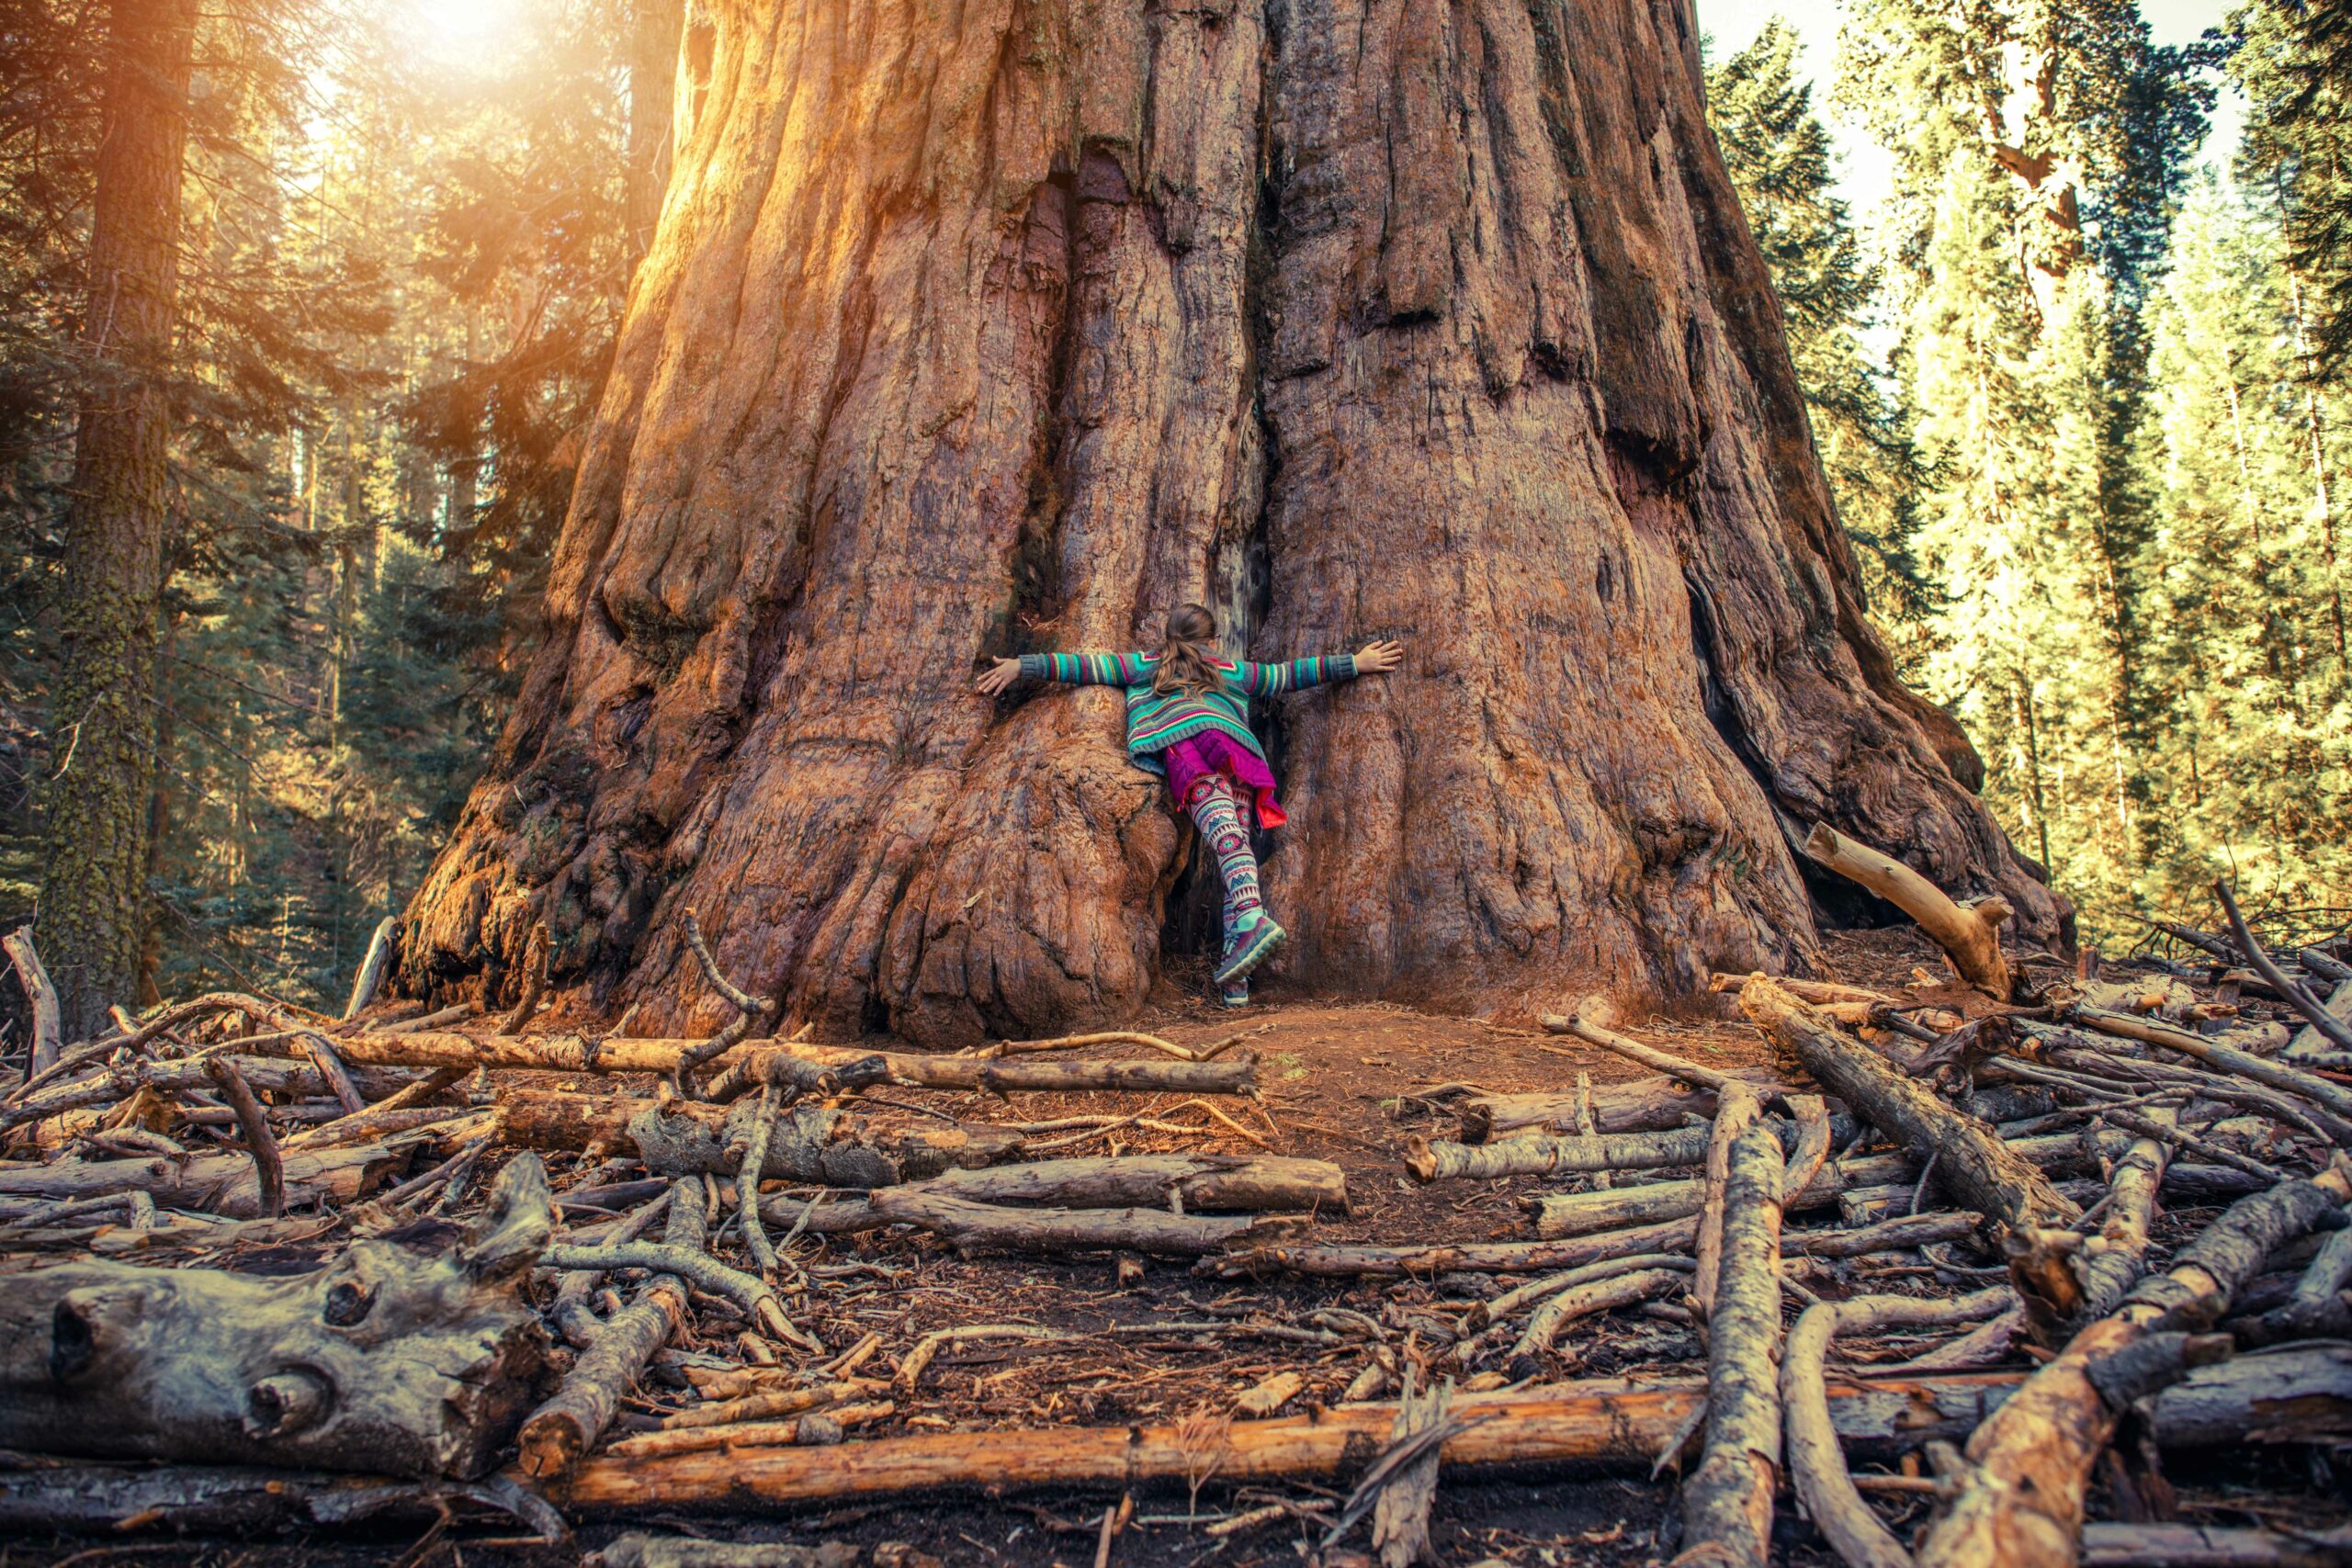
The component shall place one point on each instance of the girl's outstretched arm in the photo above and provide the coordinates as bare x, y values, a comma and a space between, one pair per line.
1296, 675
1069, 669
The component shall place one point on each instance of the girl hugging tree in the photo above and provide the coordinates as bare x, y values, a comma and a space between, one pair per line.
1188, 719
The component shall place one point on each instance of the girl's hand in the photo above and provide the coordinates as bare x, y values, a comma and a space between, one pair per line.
1379, 658
998, 676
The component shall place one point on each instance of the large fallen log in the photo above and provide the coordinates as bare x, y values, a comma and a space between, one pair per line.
1611, 1421
833, 1146
1606, 1421
1727, 1502
1969, 934
221, 1184
2332, 1099
984, 1227
579, 1054
390, 1359
2019, 1502
2211, 1546
1972, 1163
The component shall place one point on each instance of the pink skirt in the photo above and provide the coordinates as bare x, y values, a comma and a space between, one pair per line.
1209, 753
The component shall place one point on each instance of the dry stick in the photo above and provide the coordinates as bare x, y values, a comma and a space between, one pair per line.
269, 1171
1969, 935
1543, 1325
1816, 1464
2019, 1503
818, 1428
557, 1434
2148, 1127
747, 1183
1727, 1503
2297, 997
1590, 1023
371, 968
534, 980
2334, 1100
48, 1029
1979, 1170
755, 1295
977, 1227
1073, 1042
748, 1010
452, 1014
1400, 1517
926, 1348
323, 1056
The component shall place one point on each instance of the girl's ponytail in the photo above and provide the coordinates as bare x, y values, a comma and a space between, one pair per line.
1189, 661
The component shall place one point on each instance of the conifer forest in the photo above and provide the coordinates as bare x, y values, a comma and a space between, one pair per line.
588, 979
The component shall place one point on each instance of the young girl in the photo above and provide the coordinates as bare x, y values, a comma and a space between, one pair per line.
1188, 718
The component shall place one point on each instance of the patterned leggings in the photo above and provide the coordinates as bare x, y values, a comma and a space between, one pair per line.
1215, 811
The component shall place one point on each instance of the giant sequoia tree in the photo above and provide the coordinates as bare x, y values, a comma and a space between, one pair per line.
1006, 324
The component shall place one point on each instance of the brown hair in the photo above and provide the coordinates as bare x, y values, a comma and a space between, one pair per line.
1188, 659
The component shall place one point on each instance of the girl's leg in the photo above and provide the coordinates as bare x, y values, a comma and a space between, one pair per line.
1215, 811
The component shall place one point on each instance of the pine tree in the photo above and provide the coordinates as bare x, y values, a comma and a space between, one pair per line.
2293, 61
1778, 153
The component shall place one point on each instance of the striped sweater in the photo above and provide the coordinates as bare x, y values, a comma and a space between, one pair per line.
1156, 720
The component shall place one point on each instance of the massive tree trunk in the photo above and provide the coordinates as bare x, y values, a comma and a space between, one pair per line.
102, 715
656, 29
1003, 325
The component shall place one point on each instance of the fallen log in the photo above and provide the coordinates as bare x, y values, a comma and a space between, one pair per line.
219, 1184
2019, 1502
2289, 1394
1187, 1183
1586, 1300
1644, 1105
1618, 1421
982, 1228
2211, 1546
1969, 934
1740, 1109
827, 1146
275, 1074
1444, 1161
112, 1500
390, 1359
579, 1054
1727, 1502
2297, 997
1973, 1164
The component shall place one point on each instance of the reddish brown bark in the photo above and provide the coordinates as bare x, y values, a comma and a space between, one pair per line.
978, 328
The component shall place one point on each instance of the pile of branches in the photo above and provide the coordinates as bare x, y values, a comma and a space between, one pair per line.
646, 1331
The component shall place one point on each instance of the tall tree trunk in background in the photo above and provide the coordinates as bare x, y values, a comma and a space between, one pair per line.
655, 27
1010, 323
93, 895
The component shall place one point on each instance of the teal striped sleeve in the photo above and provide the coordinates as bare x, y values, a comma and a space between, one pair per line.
1088, 669
1296, 675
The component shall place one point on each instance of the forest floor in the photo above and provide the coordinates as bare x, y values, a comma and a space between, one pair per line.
1343, 1083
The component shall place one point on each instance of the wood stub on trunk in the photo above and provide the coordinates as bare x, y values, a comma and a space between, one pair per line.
41, 999
372, 967
1969, 935
1143, 343
1727, 1502
389, 1360
1972, 1163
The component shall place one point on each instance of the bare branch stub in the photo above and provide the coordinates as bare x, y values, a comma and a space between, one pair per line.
748, 1010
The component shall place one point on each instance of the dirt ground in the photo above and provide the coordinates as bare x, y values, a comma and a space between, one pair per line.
1345, 1083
